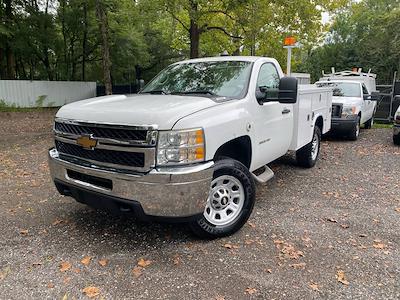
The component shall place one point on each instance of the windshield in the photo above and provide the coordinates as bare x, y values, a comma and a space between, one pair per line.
343, 89
214, 78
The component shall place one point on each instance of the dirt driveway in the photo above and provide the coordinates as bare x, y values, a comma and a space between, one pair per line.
328, 232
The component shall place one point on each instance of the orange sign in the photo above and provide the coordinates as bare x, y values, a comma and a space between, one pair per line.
289, 41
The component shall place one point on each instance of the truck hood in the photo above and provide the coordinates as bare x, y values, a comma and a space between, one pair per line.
347, 101
160, 110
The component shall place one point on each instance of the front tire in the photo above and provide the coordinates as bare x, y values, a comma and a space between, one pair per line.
369, 123
355, 131
307, 156
396, 139
230, 202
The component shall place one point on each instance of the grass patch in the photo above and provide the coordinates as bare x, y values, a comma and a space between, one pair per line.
4, 107
382, 125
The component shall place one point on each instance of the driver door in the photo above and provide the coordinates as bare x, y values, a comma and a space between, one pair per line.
273, 120
368, 105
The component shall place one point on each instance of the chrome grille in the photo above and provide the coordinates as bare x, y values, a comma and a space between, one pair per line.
130, 159
117, 146
102, 132
336, 110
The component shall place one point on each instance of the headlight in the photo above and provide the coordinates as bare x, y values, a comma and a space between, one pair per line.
397, 117
180, 147
348, 111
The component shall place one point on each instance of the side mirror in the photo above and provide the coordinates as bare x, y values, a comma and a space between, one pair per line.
286, 93
375, 96
261, 94
288, 90
367, 97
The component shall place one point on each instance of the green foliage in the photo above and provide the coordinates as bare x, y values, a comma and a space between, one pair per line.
366, 36
61, 40
40, 101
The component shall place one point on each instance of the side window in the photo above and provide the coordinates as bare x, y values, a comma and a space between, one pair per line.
365, 90
268, 76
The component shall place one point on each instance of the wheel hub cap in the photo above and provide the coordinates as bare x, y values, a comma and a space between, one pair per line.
225, 201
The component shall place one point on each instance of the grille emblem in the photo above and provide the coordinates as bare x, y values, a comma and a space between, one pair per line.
87, 142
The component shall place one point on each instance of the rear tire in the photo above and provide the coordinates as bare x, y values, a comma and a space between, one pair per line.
230, 203
355, 131
308, 155
396, 139
369, 123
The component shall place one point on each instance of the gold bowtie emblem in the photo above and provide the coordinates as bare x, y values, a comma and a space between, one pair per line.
87, 142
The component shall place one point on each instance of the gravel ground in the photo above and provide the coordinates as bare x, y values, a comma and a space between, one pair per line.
330, 232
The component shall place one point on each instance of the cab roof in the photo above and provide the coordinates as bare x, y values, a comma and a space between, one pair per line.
228, 58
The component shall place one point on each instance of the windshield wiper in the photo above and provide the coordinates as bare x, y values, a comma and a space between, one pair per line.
156, 92
204, 92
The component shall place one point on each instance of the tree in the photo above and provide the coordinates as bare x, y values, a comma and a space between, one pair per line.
105, 47
363, 35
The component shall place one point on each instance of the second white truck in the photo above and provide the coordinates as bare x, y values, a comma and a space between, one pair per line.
192, 144
354, 101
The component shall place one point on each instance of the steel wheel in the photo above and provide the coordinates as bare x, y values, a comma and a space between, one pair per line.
315, 146
225, 201
357, 129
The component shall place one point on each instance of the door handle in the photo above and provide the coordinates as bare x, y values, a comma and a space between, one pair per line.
285, 111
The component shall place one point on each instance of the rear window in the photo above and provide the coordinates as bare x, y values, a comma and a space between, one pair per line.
343, 89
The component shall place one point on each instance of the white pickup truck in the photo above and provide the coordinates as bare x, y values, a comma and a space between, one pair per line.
354, 101
396, 127
186, 148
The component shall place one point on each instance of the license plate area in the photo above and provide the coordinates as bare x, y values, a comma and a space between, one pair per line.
93, 180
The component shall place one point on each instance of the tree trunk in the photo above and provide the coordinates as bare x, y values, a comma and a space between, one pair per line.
84, 42
63, 30
2, 69
105, 47
194, 39
10, 60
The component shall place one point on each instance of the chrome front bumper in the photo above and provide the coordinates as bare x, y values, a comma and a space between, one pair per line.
170, 192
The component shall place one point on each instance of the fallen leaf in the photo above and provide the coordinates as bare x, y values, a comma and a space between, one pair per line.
252, 225
345, 226
65, 266
340, 276
66, 280
91, 291
56, 222
86, 260
4, 272
269, 271
137, 271
251, 291
65, 297
249, 242
77, 270
287, 250
36, 264
298, 266
50, 285
314, 286
379, 245
103, 262
24, 232
220, 298
397, 209
230, 246
177, 260
144, 263
331, 220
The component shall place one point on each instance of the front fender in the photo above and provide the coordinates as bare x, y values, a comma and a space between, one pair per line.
221, 123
